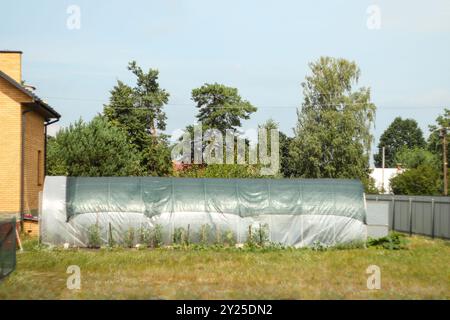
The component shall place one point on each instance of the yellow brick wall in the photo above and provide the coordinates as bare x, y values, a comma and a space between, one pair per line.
34, 167
10, 152
11, 64
31, 228
11, 108
10, 142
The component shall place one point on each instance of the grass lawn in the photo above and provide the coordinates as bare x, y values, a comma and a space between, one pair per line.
420, 272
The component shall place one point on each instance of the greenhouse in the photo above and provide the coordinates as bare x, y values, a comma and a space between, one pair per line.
295, 212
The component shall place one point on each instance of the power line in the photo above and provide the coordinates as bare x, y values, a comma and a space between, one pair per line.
259, 107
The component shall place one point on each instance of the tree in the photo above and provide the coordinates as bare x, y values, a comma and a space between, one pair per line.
221, 107
434, 140
369, 184
156, 158
222, 171
400, 133
284, 145
415, 157
332, 137
285, 157
92, 149
139, 111
423, 180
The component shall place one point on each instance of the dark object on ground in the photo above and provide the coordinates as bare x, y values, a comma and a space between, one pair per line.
7, 246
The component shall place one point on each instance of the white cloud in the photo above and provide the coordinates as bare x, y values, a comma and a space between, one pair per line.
53, 129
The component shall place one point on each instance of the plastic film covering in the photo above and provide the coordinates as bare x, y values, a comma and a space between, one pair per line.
7, 245
298, 212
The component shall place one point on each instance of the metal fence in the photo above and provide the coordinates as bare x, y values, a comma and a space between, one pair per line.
424, 215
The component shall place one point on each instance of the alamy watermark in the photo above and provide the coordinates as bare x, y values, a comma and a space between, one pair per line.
211, 147
374, 279
74, 280
374, 17
73, 21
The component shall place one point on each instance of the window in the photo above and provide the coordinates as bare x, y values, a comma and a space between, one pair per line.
40, 169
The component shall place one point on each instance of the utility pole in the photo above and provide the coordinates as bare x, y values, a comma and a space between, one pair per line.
444, 158
382, 171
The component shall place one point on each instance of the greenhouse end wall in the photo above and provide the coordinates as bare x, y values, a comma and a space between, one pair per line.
296, 212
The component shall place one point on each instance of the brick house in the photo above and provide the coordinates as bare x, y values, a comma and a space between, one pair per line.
24, 118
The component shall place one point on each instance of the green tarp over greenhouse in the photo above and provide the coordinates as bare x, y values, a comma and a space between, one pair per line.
297, 211
243, 197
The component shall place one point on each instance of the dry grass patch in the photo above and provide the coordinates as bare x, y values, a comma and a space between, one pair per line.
420, 272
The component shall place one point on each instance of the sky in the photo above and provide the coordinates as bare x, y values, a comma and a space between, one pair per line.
260, 47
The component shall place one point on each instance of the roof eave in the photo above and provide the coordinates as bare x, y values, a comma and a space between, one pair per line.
35, 99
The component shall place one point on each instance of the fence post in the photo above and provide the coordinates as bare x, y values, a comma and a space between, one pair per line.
432, 218
410, 216
40, 216
393, 212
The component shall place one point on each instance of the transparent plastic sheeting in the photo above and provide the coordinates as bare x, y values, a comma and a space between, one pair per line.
298, 212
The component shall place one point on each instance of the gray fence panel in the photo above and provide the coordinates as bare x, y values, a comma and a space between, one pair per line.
423, 215
442, 221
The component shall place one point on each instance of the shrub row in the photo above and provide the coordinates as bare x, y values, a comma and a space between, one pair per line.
208, 236
153, 237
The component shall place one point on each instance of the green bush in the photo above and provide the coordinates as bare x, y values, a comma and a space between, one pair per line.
94, 239
178, 236
129, 237
221, 171
229, 238
319, 246
423, 180
369, 185
157, 236
357, 244
219, 237
261, 235
415, 157
92, 149
249, 242
257, 237
394, 241
145, 236
205, 233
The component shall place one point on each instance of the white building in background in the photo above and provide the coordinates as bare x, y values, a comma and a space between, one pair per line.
382, 178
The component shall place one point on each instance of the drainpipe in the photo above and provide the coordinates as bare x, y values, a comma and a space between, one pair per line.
46, 124
22, 170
